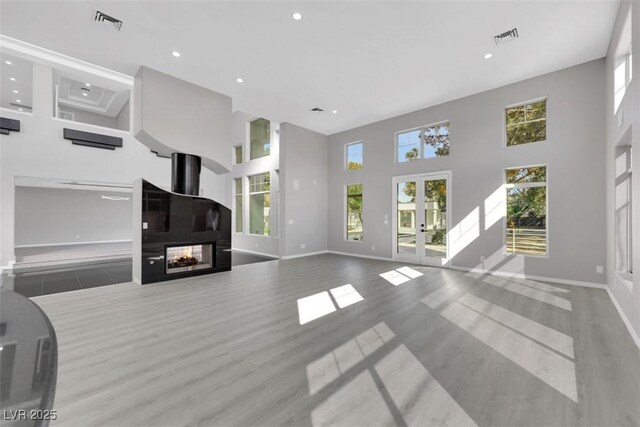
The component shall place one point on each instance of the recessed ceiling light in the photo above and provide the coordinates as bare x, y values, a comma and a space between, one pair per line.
297, 16
19, 109
87, 84
239, 80
8, 62
18, 101
176, 54
335, 111
15, 91
13, 79
488, 56
85, 94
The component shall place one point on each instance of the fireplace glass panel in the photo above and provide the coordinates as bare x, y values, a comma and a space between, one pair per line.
188, 258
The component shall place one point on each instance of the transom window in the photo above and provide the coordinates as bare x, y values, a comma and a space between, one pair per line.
259, 138
354, 156
526, 123
423, 143
238, 154
526, 219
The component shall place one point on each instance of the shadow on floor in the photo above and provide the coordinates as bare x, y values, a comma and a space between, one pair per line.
36, 283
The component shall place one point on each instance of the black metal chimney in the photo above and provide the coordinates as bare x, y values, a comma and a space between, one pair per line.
185, 174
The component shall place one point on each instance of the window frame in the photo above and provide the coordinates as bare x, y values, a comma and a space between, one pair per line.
421, 152
345, 212
345, 162
249, 194
235, 154
248, 139
235, 196
506, 186
520, 104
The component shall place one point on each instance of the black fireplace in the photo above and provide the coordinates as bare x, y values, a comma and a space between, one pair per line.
183, 235
188, 257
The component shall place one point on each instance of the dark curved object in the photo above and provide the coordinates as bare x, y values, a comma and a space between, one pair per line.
177, 220
29, 349
185, 174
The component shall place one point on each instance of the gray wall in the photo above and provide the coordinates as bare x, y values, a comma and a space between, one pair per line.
304, 159
573, 154
55, 215
124, 117
620, 131
91, 118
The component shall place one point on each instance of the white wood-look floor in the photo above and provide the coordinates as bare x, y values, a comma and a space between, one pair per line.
443, 348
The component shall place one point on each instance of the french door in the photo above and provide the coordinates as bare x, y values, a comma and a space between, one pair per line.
421, 218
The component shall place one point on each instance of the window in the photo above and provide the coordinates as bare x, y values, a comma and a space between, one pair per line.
238, 154
238, 197
259, 138
423, 143
354, 212
526, 225
623, 195
527, 123
259, 204
622, 79
354, 156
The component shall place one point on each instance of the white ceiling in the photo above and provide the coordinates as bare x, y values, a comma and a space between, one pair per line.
21, 71
368, 60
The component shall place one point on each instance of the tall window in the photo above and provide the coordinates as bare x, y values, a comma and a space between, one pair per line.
623, 198
526, 225
526, 123
259, 138
423, 143
354, 156
238, 197
354, 212
238, 154
259, 204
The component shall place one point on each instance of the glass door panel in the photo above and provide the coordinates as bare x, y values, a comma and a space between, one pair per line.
406, 232
435, 218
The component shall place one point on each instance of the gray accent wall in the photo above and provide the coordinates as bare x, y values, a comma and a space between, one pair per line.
623, 129
303, 189
478, 158
60, 215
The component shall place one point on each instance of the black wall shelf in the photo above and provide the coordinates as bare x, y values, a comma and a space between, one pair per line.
94, 140
9, 125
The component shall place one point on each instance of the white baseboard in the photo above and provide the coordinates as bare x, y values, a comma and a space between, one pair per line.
360, 256
255, 253
625, 319
304, 255
532, 277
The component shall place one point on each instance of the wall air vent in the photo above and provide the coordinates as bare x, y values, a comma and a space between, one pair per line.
9, 125
317, 110
506, 37
109, 20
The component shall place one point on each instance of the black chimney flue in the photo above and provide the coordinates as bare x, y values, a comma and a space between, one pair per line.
185, 174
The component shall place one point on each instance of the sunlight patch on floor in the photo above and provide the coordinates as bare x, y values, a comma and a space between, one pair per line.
314, 306
345, 295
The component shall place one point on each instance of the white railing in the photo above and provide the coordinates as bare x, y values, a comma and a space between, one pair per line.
526, 240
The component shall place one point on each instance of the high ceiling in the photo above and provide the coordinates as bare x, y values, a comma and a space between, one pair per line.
367, 60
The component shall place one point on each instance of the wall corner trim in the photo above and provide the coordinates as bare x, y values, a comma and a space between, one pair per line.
625, 320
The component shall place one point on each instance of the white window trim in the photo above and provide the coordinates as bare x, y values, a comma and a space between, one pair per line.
345, 161
248, 199
233, 191
546, 201
246, 158
520, 104
421, 153
345, 212
235, 147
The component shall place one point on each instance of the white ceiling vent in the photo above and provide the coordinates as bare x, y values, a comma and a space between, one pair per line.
109, 20
506, 37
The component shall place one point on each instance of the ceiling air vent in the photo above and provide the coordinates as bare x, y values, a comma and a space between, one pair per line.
506, 37
317, 110
109, 20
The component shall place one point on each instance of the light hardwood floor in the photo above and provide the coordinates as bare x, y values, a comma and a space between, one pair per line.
443, 348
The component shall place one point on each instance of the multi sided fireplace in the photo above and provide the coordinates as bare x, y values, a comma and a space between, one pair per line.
180, 259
